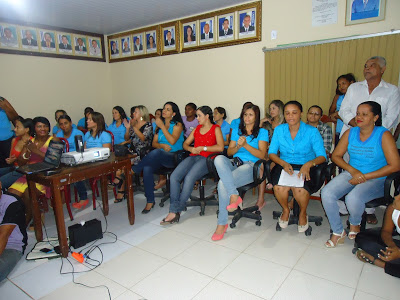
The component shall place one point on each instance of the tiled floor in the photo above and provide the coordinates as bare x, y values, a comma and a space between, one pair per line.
180, 261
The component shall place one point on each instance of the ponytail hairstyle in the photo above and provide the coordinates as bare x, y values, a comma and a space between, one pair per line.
206, 110
376, 110
175, 119
27, 124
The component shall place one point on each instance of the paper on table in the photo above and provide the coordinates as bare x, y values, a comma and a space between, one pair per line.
291, 180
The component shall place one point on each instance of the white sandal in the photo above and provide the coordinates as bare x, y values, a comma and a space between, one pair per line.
303, 228
283, 224
330, 244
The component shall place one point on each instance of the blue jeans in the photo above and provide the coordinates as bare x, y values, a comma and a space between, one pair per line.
189, 170
81, 188
8, 177
231, 178
150, 164
357, 196
8, 260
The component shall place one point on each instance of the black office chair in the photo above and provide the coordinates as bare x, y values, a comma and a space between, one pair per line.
204, 200
251, 212
320, 175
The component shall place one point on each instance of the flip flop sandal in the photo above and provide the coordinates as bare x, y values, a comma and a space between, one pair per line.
360, 255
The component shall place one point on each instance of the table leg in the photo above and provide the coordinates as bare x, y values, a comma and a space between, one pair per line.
104, 193
129, 190
37, 220
59, 216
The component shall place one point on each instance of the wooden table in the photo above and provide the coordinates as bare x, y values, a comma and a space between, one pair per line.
69, 175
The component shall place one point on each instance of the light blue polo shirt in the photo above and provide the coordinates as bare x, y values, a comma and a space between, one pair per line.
225, 128
57, 129
235, 124
163, 140
118, 132
242, 153
307, 144
71, 139
5, 126
98, 141
81, 123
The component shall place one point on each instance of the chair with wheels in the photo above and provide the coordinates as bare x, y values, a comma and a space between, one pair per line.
320, 175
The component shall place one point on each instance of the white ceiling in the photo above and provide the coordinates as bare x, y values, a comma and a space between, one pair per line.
106, 16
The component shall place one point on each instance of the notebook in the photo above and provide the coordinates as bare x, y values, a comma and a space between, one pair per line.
51, 160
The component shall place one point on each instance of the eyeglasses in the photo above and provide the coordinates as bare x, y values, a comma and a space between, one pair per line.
314, 113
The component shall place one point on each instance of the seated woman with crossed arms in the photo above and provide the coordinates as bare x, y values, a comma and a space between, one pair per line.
248, 144
300, 148
207, 139
373, 156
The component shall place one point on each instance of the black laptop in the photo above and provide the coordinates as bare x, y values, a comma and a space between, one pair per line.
51, 160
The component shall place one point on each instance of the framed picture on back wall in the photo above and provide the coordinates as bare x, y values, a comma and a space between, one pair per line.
364, 11
170, 38
8, 36
207, 27
64, 43
80, 43
126, 45
226, 27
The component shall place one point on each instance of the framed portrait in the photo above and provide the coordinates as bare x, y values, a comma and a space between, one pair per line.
47, 40
29, 39
189, 36
80, 45
8, 36
126, 45
114, 47
247, 23
94, 46
170, 38
138, 48
364, 11
151, 41
207, 34
226, 27
64, 43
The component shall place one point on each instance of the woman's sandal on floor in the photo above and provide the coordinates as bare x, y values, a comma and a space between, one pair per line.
118, 200
353, 234
174, 220
117, 184
360, 254
340, 241
283, 224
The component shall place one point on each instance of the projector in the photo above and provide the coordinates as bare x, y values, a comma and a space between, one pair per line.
89, 155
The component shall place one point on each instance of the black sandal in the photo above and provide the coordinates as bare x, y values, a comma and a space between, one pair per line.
118, 184
174, 220
117, 200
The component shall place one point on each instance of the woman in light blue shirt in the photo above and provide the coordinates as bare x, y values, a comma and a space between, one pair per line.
97, 136
219, 118
295, 146
120, 125
82, 123
248, 145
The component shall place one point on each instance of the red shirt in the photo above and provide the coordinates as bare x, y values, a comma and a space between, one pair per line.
205, 140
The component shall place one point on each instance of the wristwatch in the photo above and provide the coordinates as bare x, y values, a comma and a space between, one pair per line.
205, 149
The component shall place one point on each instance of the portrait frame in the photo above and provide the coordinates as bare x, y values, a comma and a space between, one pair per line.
34, 47
95, 51
365, 16
185, 42
250, 31
156, 41
111, 43
11, 39
126, 52
138, 49
42, 34
76, 45
222, 37
210, 21
60, 47
173, 27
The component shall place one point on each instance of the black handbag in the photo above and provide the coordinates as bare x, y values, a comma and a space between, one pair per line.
121, 150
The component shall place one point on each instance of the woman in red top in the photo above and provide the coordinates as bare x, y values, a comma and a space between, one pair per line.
207, 139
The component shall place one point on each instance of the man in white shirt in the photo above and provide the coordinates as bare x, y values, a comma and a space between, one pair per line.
373, 88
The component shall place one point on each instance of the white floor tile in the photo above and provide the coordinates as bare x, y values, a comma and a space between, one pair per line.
254, 275
365, 296
183, 284
140, 233
221, 291
376, 282
9, 291
331, 265
207, 258
278, 247
168, 243
195, 225
130, 267
299, 285
129, 295
95, 289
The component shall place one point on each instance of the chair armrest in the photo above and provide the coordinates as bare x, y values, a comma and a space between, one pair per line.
256, 171
388, 183
267, 169
180, 155
210, 165
328, 171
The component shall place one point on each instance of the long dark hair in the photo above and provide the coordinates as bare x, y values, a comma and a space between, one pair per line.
376, 110
98, 118
85, 112
175, 119
121, 112
256, 127
27, 123
206, 110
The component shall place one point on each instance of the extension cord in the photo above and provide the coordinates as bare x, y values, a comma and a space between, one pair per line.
78, 256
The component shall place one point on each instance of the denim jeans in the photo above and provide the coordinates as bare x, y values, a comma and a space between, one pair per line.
150, 164
189, 170
8, 260
8, 177
357, 196
81, 188
231, 178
